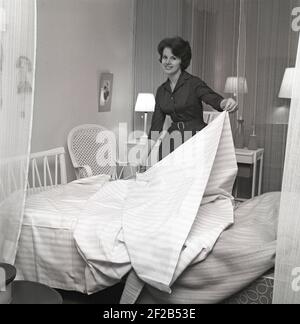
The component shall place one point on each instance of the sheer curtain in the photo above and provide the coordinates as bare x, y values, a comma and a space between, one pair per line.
215, 26
17, 67
287, 269
217, 44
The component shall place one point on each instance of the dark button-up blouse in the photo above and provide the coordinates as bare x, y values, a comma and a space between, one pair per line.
184, 104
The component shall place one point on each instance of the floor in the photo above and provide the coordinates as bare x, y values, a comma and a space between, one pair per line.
111, 295
259, 292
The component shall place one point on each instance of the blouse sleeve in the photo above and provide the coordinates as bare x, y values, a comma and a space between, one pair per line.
157, 121
210, 97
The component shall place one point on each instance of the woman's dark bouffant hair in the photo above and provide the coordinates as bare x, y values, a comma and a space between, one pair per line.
179, 47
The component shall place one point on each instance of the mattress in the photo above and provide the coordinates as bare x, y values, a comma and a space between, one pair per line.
47, 252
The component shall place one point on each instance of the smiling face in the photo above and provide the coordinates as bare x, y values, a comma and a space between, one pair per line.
170, 63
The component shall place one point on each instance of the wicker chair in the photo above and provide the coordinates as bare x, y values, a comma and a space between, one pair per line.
89, 152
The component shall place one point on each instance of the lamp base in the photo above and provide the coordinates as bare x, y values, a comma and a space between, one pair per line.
239, 140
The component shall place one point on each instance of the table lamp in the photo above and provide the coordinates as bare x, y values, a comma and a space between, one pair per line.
281, 114
236, 85
287, 84
145, 103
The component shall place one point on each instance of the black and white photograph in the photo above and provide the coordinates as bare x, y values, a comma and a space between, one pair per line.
105, 94
149, 154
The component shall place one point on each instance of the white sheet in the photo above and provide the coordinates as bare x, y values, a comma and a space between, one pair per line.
154, 224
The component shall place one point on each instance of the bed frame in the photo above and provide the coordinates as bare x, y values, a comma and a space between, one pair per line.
47, 169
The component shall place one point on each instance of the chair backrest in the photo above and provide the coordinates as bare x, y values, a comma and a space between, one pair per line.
90, 154
47, 169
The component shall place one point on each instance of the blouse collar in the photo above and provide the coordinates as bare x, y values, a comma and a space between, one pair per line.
184, 76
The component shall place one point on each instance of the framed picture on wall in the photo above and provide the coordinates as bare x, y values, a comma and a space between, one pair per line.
105, 92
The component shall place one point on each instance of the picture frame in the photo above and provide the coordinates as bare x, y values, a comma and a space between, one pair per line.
105, 92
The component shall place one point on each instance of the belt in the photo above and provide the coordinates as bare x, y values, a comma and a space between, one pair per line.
183, 125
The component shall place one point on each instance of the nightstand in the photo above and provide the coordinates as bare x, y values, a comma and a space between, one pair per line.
7, 276
22, 291
252, 158
34, 293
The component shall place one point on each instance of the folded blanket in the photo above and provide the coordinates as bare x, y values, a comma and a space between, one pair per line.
166, 219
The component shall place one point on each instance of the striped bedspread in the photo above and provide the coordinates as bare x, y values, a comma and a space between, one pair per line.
47, 252
168, 218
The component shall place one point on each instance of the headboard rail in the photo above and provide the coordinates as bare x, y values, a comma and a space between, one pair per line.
47, 169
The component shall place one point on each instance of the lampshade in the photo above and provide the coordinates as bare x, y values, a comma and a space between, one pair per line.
236, 85
2, 20
145, 102
287, 83
280, 115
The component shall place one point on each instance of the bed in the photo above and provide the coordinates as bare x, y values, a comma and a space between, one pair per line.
56, 248
48, 254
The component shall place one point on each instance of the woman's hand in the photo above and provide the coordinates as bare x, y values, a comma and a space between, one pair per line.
229, 105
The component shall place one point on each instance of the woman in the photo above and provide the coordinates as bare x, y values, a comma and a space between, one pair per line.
182, 94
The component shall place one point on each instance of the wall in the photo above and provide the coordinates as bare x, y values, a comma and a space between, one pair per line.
77, 40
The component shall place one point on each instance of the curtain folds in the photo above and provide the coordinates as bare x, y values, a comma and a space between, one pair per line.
155, 20
17, 69
271, 47
287, 268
